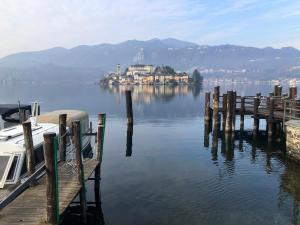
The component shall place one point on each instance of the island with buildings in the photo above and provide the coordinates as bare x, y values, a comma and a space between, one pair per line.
140, 74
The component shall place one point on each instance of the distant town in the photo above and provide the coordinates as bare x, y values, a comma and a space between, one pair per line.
140, 74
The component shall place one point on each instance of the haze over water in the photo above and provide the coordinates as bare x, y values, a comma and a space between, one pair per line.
167, 176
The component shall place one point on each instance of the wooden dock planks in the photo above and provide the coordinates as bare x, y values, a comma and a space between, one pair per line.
30, 207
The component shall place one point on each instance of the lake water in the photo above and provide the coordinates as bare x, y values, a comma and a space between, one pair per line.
167, 176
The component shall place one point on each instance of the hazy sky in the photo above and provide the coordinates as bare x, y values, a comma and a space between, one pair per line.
39, 24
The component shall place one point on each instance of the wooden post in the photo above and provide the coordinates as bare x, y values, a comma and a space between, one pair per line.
77, 145
228, 126
129, 106
207, 116
100, 136
233, 111
100, 129
270, 118
216, 97
91, 127
30, 159
258, 94
22, 115
255, 117
62, 136
39, 109
277, 90
51, 184
293, 97
293, 93
101, 118
224, 107
242, 114
80, 172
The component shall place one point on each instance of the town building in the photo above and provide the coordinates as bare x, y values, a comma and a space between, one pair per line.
140, 69
147, 75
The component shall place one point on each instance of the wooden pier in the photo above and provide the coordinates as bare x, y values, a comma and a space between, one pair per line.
276, 109
46, 200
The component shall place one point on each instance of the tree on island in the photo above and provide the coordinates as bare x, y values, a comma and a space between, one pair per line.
197, 78
165, 70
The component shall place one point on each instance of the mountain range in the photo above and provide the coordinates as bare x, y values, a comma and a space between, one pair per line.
91, 62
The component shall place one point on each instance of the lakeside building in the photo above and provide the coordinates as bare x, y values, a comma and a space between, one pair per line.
140, 69
146, 75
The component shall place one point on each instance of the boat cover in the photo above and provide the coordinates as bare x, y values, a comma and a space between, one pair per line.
8, 109
72, 115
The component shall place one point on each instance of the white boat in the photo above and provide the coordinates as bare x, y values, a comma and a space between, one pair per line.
12, 150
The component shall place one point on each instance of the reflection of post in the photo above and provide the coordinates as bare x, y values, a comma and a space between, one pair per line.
129, 140
206, 134
229, 146
214, 145
97, 185
253, 152
241, 143
97, 191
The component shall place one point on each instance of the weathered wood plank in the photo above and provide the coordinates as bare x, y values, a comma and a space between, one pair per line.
30, 207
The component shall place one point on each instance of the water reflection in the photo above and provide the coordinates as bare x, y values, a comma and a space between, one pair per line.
274, 157
129, 139
147, 94
173, 179
290, 184
95, 215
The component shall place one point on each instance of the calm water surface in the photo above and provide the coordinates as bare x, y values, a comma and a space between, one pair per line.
167, 176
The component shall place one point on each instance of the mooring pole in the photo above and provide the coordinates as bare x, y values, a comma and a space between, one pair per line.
216, 97
51, 184
22, 115
224, 108
228, 126
233, 112
99, 142
62, 137
270, 118
100, 136
255, 117
242, 114
101, 118
207, 116
277, 90
30, 159
99, 155
293, 92
80, 172
129, 107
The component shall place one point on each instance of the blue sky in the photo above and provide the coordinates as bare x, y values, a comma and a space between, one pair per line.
40, 24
